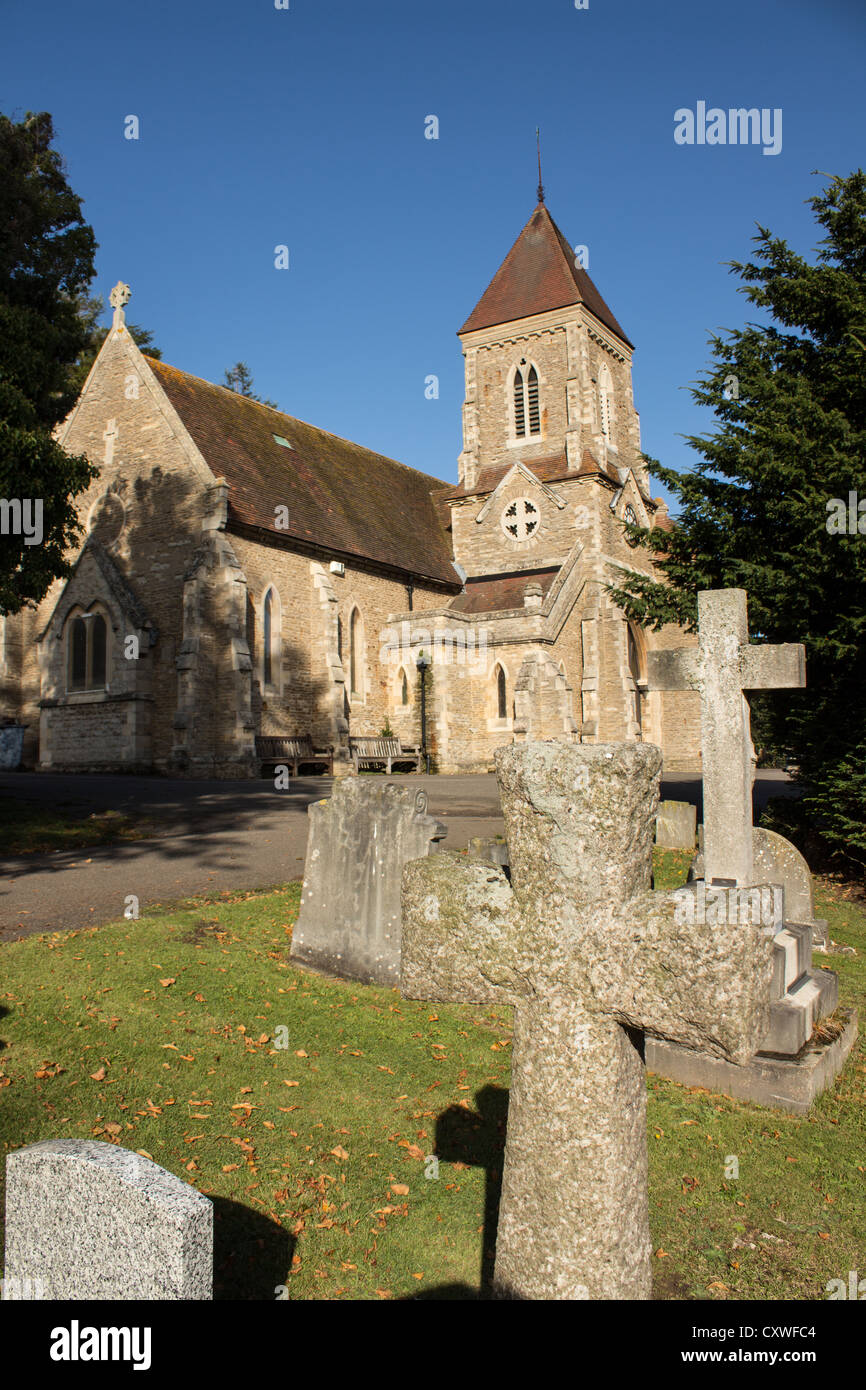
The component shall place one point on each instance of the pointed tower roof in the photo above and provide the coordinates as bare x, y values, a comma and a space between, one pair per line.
539, 274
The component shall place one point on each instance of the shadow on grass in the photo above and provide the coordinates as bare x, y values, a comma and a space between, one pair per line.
476, 1138
252, 1254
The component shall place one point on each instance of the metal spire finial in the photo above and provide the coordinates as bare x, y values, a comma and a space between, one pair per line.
538, 148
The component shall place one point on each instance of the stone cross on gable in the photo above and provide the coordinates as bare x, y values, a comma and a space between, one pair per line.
118, 297
590, 957
723, 666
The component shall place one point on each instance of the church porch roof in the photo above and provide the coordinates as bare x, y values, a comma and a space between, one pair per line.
498, 592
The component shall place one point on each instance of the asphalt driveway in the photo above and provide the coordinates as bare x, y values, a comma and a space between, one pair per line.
212, 836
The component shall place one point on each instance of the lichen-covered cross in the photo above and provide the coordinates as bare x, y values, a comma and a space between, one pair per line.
590, 957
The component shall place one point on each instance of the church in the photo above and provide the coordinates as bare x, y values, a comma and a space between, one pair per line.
245, 574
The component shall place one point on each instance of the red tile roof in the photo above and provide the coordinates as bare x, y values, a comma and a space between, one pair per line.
548, 470
495, 593
341, 497
539, 274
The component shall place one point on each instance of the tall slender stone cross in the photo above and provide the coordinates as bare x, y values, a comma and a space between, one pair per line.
590, 957
723, 665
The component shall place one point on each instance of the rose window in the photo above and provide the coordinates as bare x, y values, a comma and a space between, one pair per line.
630, 515
520, 519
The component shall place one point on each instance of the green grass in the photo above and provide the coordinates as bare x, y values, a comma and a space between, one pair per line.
323, 1141
163, 1034
28, 827
671, 867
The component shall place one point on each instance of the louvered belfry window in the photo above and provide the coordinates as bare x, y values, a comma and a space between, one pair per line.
527, 416
532, 392
519, 408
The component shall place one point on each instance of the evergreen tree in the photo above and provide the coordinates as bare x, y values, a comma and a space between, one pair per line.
239, 378
46, 265
758, 510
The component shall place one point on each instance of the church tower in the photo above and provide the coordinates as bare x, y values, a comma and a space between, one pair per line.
548, 366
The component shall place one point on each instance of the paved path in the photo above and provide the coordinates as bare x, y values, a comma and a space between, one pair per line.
211, 836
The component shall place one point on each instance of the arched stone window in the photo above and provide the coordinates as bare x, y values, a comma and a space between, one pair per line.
86, 652
527, 415
404, 687
356, 653
637, 671
271, 637
268, 636
501, 693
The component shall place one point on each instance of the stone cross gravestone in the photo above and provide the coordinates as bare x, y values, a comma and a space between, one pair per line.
724, 665
359, 840
87, 1220
789, 1067
589, 957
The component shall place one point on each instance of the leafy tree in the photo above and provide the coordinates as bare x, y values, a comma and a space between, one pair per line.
91, 309
757, 511
46, 265
239, 378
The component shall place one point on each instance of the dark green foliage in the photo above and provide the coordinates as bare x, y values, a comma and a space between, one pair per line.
46, 264
789, 396
239, 378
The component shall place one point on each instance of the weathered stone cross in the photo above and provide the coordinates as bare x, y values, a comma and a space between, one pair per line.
721, 668
589, 957
117, 299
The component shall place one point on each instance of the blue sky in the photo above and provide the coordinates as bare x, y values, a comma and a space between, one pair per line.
305, 127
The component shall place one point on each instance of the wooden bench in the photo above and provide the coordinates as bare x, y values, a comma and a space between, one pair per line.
272, 749
382, 752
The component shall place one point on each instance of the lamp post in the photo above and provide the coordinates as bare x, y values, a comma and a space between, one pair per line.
422, 663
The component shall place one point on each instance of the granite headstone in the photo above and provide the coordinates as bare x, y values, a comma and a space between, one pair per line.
88, 1220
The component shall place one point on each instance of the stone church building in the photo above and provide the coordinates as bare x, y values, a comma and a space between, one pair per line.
243, 573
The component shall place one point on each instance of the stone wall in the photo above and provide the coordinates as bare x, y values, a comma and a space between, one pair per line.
310, 692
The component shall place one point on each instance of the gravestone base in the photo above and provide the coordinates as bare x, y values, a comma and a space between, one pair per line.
785, 1083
